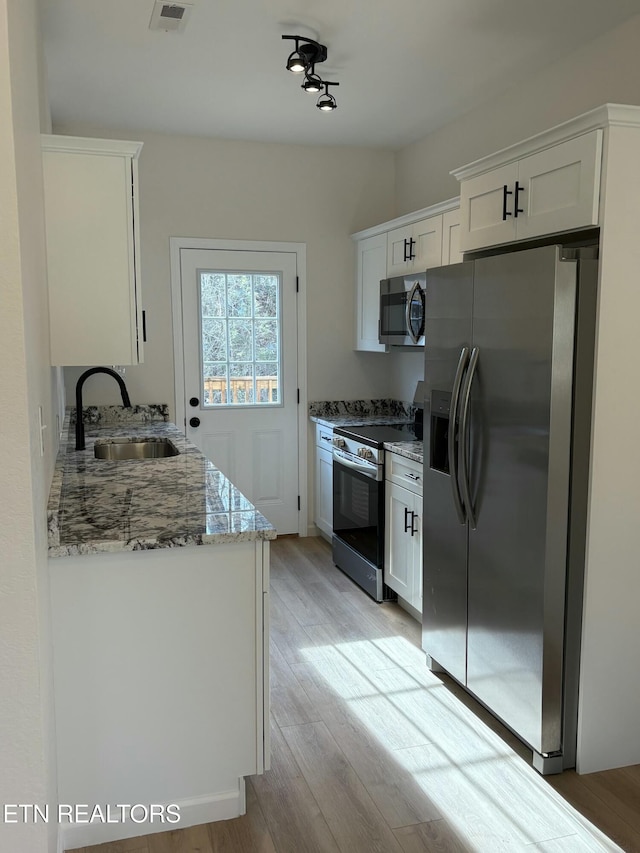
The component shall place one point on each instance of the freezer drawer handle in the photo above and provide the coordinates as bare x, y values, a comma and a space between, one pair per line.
453, 419
464, 443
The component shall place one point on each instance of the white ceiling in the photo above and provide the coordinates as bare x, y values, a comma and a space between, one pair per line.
405, 67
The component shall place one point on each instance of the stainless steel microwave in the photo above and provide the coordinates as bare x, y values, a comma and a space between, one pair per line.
402, 310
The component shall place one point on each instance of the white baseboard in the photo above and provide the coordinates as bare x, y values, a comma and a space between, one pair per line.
313, 530
411, 610
222, 806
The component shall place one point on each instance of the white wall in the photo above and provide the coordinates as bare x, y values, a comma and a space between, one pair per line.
195, 187
26, 383
605, 70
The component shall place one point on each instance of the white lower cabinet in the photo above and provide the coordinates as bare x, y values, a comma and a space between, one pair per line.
161, 690
324, 481
403, 529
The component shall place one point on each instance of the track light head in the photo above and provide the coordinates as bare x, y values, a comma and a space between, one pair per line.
295, 63
312, 83
306, 54
327, 103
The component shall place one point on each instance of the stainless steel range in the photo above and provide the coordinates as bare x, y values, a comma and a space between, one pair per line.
358, 502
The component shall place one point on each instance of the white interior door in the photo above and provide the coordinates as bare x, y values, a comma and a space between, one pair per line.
240, 365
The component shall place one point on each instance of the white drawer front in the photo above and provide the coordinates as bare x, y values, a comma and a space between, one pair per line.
404, 472
324, 436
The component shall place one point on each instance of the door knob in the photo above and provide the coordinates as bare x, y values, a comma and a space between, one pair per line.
194, 422
194, 401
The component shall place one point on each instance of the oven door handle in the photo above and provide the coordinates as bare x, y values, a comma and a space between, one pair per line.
369, 471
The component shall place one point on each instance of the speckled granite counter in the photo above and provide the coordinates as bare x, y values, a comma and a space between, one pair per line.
99, 505
410, 449
358, 420
335, 413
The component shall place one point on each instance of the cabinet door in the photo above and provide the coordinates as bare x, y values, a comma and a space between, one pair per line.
324, 491
416, 595
399, 546
482, 208
427, 235
94, 304
398, 250
451, 253
425, 251
560, 187
371, 268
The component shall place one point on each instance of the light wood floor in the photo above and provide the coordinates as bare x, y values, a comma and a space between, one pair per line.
371, 753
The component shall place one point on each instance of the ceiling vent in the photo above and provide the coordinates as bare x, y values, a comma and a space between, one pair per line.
170, 17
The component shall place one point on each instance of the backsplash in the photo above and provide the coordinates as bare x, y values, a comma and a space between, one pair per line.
335, 408
143, 413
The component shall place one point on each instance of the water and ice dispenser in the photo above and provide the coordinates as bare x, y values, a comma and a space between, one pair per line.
439, 432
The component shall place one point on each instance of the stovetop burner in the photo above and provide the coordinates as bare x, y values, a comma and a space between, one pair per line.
375, 436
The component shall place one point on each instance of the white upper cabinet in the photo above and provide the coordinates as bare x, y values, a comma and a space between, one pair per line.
414, 248
93, 257
409, 244
553, 190
371, 268
451, 253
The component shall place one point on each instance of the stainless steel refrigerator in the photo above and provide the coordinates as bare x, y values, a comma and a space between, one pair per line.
509, 343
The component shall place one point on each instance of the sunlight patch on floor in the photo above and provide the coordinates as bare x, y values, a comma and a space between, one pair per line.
492, 798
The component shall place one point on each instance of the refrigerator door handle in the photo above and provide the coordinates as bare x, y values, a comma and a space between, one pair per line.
464, 437
453, 418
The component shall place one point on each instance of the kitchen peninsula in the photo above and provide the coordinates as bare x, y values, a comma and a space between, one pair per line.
161, 673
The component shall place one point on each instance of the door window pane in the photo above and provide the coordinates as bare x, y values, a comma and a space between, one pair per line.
240, 350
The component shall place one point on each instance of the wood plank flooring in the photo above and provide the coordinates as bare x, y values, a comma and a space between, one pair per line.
371, 753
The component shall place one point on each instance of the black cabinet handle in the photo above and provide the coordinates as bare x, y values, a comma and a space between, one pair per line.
505, 193
517, 209
194, 422
412, 254
144, 327
407, 526
405, 257
194, 401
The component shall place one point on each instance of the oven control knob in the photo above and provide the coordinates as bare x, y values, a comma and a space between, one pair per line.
365, 452
339, 442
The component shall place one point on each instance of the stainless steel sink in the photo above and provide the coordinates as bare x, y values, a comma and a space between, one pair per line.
147, 448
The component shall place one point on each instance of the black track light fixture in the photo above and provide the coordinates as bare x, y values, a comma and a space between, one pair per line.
303, 60
327, 103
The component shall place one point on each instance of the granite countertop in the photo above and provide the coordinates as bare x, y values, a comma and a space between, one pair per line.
410, 449
338, 413
129, 505
359, 420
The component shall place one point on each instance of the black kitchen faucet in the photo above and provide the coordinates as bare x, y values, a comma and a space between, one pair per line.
123, 390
